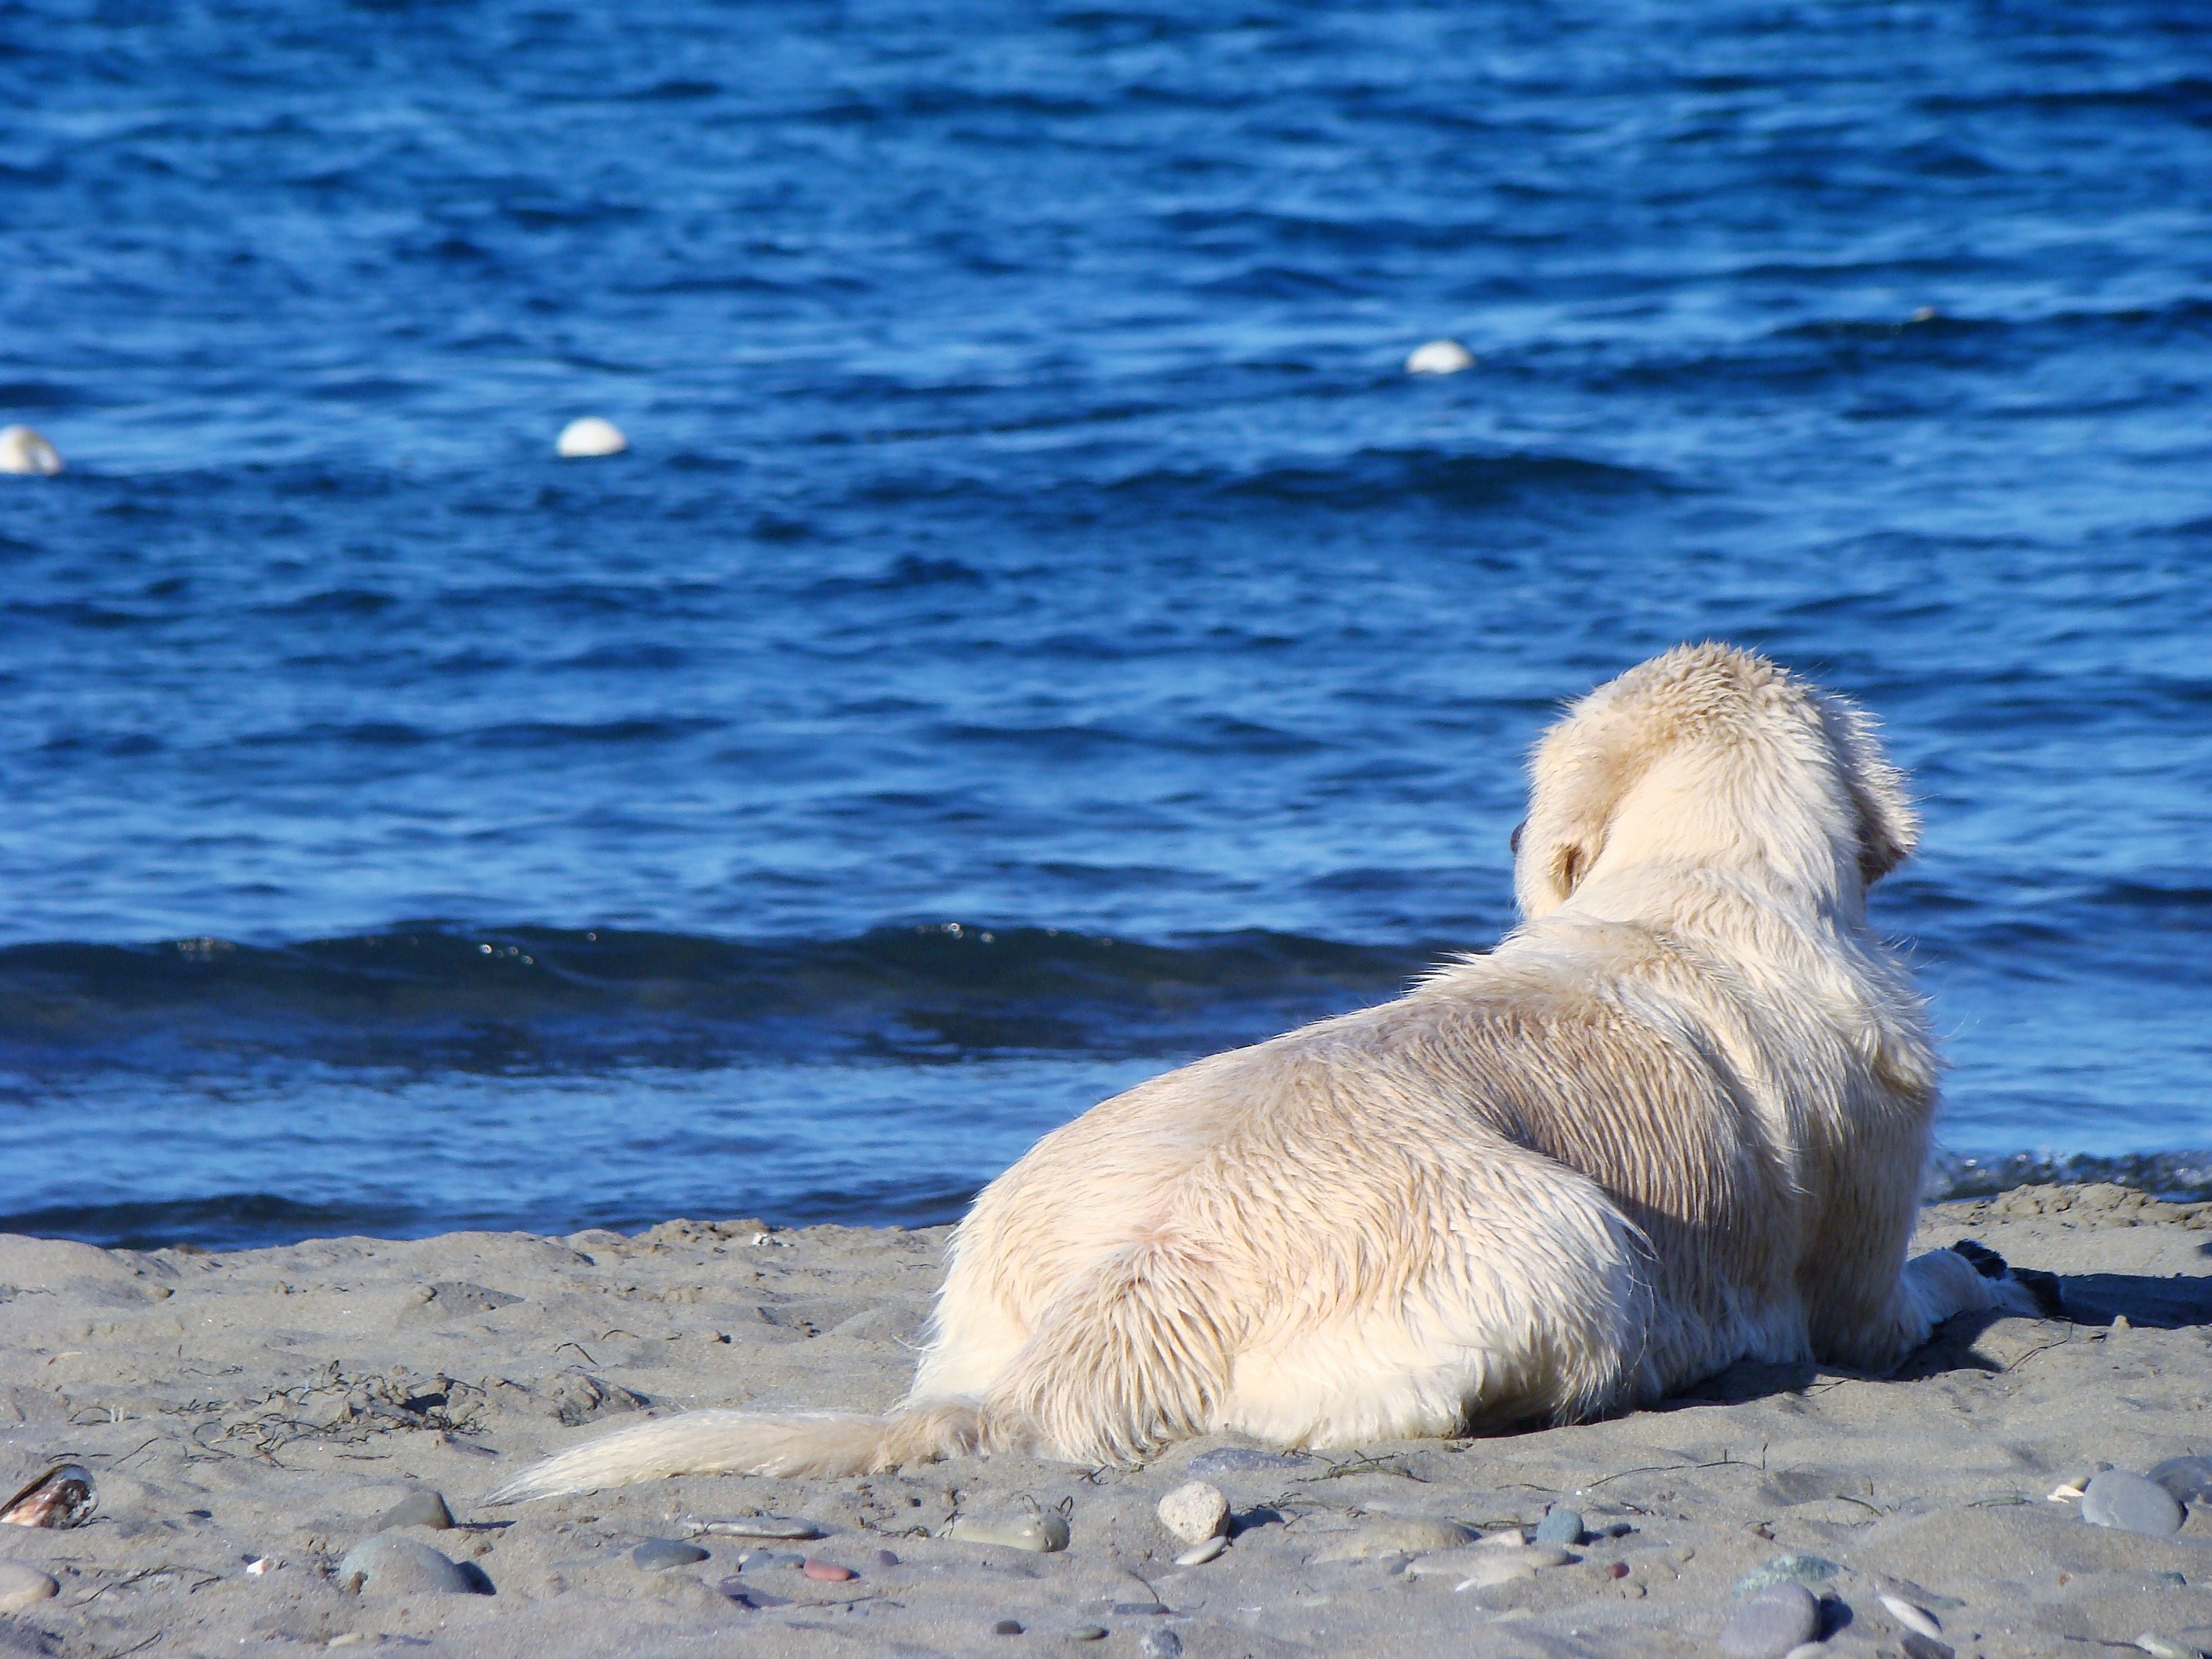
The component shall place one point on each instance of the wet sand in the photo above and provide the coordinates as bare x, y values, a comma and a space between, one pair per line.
267, 1407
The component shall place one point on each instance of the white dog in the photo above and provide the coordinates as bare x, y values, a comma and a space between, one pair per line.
1678, 1119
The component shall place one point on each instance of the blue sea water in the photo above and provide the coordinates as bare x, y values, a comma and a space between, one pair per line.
1039, 634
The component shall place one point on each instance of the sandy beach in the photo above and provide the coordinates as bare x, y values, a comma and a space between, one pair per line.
247, 1418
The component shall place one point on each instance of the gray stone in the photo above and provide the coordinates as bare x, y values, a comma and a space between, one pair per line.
1787, 1570
1007, 1627
885, 1559
1132, 1609
1917, 1646
1773, 1621
757, 1526
1161, 1643
388, 1564
418, 1508
1043, 1534
1087, 1633
22, 1585
659, 1554
2189, 1479
1560, 1526
757, 1560
2132, 1504
1241, 1460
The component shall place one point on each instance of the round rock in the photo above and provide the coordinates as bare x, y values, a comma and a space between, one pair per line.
418, 1508
2131, 1502
1778, 1618
885, 1559
388, 1564
1561, 1525
659, 1554
1161, 1643
1194, 1512
23, 1586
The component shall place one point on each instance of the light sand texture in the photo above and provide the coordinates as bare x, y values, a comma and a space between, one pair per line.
270, 1404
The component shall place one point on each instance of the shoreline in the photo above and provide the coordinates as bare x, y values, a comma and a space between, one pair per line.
269, 1405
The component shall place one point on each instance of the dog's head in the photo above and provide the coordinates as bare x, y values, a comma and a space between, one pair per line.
1713, 755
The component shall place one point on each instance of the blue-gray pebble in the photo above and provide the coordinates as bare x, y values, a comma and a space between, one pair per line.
389, 1564
2189, 1479
417, 1508
1160, 1644
1241, 1459
2119, 1498
659, 1554
1772, 1622
1560, 1526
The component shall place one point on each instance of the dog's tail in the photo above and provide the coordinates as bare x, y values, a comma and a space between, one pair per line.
748, 1443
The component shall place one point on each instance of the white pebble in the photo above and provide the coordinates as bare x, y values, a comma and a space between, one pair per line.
1439, 357
1202, 1553
25, 449
590, 436
1912, 1618
1195, 1511
22, 1585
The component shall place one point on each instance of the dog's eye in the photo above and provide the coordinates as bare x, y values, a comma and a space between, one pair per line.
1513, 839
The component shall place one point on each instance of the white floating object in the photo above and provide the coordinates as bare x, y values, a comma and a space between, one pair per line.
590, 436
25, 449
1439, 357
1200, 1554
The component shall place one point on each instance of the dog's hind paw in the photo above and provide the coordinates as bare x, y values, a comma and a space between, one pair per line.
1987, 1262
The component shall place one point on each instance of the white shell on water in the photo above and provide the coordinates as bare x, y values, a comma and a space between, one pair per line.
590, 436
25, 449
1199, 1555
1041, 1533
1439, 357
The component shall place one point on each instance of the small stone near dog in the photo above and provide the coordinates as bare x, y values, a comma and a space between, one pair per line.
757, 1526
2132, 1504
1199, 1554
1041, 1533
659, 1554
1194, 1512
1007, 1627
1160, 1644
1561, 1525
2189, 1479
388, 1564
418, 1508
22, 1586
1772, 1623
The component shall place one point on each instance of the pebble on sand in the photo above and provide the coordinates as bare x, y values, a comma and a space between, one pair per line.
25, 449
2189, 1479
1778, 1618
2117, 1498
22, 1586
1160, 1644
1087, 1633
1007, 1627
1194, 1512
388, 1564
2167, 1647
826, 1572
1787, 1570
1561, 1525
1911, 1617
1042, 1534
885, 1559
1199, 1554
757, 1526
590, 436
418, 1508
659, 1554
1439, 357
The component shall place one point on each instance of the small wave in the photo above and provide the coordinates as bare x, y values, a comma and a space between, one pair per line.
2183, 1178
440, 996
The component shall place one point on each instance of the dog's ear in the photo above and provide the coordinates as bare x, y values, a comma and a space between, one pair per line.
1889, 828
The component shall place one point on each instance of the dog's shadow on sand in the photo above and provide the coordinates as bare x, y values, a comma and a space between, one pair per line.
2091, 1301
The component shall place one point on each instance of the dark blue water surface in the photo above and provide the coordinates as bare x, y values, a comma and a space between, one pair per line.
1039, 634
